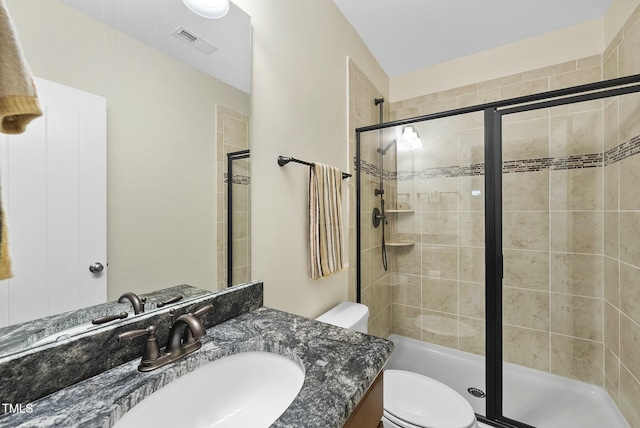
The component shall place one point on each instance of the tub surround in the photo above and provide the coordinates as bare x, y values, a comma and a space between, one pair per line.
34, 373
19, 337
340, 365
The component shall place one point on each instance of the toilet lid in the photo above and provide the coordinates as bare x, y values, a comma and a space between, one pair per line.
425, 402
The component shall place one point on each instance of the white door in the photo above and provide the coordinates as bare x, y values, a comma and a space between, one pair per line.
53, 183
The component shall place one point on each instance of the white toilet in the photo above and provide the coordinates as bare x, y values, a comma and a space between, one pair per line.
410, 399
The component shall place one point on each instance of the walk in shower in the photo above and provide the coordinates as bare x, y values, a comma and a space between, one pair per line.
513, 236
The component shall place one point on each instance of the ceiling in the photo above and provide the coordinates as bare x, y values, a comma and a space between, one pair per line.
153, 21
414, 34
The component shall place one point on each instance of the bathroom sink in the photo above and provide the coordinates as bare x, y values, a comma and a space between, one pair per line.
249, 389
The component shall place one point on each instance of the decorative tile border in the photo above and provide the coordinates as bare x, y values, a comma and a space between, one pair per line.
627, 149
592, 160
238, 179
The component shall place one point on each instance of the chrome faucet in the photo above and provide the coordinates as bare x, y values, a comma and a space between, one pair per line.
184, 337
136, 302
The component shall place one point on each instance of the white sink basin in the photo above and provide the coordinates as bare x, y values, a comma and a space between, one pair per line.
249, 389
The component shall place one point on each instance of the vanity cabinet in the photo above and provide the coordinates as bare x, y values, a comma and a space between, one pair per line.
368, 413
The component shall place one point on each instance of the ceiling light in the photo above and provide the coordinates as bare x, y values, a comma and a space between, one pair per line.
211, 9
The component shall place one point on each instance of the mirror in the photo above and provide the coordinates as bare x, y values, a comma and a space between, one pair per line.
172, 114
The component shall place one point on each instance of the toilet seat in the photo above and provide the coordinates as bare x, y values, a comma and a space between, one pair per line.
413, 400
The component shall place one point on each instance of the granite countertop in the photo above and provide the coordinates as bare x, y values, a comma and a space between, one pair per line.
339, 364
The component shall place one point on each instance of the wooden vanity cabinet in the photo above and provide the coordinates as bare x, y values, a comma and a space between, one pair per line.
368, 413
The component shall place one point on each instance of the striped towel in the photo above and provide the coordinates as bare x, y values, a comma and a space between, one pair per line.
325, 221
18, 98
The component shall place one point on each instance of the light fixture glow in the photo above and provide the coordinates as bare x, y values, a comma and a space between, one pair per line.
211, 9
410, 140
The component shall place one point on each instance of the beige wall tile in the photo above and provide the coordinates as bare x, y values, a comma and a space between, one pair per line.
471, 229
441, 151
612, 328
580, 107
407, 259
630, 291
471, 146
611, 186
440, 295
577, 231
551, 70
613, 45
439, 106
478, 98
440, 228
406, 321
529, 348
472, 299
440, 328
471, 193
577, 359
578, 274
628, 112
471, 120
577, 316
525, 140
406, 113
590, 61
526, 88
610, 66
526, 191
424, 99
630, 237
578, 133
526, 230
471, 264
500, 81
629, 397
472, 335
629, 180
611, 240
462, 90
611, 281
628, 59
631, 25
542, 113
525, 308
612, 376
611, 127
446, 201
526, 269
575, 78
629, 345
406, 289
439, 262
576, 189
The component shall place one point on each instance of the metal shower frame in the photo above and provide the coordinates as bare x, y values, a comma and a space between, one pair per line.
493, 113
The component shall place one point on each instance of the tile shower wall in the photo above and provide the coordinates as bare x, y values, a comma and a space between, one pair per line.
376, 293
571, 226
621, 260
232, 136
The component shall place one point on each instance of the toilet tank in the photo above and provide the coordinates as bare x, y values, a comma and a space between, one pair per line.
354, 316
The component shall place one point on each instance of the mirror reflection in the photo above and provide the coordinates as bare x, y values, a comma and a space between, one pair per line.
164, 114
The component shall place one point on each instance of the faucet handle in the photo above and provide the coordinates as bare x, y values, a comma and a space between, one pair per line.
168, 302
202, 309
187, 336
151, 348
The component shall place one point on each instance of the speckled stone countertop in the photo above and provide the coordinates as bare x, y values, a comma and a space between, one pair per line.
339, 365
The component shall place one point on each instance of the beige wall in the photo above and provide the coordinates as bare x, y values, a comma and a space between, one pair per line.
161, 157
299, 108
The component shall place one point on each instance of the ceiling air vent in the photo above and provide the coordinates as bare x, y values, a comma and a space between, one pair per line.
191, 39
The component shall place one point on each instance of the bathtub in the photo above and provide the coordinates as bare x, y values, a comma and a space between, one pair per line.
531, 396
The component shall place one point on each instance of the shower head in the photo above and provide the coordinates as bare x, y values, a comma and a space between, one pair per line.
386, 149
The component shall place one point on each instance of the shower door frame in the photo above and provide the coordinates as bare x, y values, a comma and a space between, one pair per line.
494, 264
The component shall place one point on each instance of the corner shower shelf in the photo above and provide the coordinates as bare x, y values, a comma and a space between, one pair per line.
400, 244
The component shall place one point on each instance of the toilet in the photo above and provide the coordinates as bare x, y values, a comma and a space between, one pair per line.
410, 399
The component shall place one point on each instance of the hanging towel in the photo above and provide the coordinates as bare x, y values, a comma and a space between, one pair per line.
325, 221
18, 98
5, 260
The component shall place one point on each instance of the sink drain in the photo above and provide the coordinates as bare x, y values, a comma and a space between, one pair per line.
478, 393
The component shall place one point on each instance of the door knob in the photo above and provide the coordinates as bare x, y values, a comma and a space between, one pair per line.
96, 267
